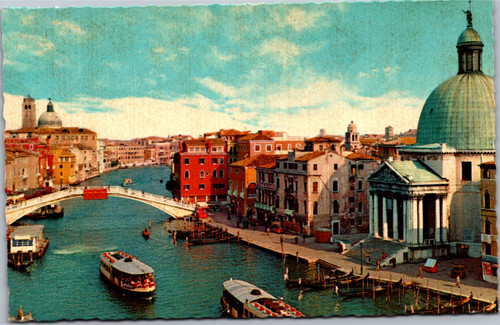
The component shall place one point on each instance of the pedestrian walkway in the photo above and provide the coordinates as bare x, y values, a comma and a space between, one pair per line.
294, 246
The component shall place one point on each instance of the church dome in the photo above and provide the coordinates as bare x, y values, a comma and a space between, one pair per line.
461, 111
49, 118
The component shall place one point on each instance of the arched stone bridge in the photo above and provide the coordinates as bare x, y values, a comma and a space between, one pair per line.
173, 208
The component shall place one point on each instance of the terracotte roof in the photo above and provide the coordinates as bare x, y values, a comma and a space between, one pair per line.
310, 156
360, 156
257, 161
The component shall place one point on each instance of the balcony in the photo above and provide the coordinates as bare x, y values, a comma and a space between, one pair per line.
251, 196
488, 238
264, 207
289, 212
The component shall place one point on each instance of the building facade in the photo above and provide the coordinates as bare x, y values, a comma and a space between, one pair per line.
489, 234
200, 171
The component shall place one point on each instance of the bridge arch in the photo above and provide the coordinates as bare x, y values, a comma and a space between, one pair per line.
167, 205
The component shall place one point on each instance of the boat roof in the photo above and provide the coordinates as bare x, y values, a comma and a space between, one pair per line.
244, 291
128, 264
27, 232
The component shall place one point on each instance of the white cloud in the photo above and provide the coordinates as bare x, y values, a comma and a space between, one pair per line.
282, 50
66, 27
391, 70
220, 56
299, 19
218, 87
17, 43
132, 117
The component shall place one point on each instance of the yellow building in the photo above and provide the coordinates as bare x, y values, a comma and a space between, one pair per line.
489, 232
65, 167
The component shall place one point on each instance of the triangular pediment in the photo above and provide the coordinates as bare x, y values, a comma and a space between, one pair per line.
386, 174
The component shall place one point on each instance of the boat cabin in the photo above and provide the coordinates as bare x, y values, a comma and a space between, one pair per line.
26, 238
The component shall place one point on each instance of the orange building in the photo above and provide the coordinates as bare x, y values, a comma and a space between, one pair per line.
65, 167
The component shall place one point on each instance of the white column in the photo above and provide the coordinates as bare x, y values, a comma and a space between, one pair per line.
444, 218
437, 228
375, 214
395, 230
406, 223
421, 220
414, 221
385, 230
370, 211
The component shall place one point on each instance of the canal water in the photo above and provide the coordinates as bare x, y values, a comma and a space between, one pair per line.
65, 284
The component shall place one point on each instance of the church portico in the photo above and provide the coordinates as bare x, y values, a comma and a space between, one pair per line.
407, 206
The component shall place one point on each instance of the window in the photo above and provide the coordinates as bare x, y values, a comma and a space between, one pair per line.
315, 187
256, 148
360, 207
186, 187
285, 165
352, 222
186, 161
214, 149
230, 186
222, 186
487, 248
202, 161
202, 174
466, 171
335, 206
221, 173
351, 199
60, 166
221, 161
289, 147
230, 169
360, 186
236, 170
335, 186
305, 187
486, 173
214, 161
214, 173
487, 200
315, 167
277, 202
214, 186
269, 147
202, 186
361, 166
487, 227
304, 167
277, 182
360, 222
335, 166
278, 147
315, 207
277, 163
22, 242
186, 174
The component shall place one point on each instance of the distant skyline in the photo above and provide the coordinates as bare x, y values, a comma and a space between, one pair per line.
193, 69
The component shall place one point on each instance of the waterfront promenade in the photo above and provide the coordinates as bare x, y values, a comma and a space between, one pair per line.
309, 251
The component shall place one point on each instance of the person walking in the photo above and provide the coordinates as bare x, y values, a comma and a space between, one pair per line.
458, 281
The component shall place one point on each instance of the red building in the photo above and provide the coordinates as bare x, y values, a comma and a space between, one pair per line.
255, 144
200, 171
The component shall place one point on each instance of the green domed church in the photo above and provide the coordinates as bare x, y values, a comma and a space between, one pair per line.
430, 200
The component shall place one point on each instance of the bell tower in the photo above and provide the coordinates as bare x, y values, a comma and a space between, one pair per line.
28, 108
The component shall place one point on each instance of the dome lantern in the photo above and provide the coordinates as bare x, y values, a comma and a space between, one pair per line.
469, 48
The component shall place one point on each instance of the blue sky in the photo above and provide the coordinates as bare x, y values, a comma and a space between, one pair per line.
138, 71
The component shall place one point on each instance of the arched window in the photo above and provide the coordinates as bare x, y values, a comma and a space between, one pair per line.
202, 174
487, 200
221, 173
335, 206
214, 174
315, 207
335, 185
186, 174
487, 227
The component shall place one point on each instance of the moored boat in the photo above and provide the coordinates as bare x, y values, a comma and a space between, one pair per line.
241, 299
24, 244
46, 212
127, 272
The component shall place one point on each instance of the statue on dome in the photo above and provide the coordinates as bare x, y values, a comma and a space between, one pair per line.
469, 17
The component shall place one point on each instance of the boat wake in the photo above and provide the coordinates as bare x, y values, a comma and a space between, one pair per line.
79, 249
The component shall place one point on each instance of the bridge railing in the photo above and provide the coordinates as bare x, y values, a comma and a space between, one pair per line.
78, 190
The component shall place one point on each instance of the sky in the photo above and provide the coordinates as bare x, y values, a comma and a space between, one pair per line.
129, 72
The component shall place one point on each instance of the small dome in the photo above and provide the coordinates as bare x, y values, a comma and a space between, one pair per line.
50, 120
461, 113
352, 127
469, 36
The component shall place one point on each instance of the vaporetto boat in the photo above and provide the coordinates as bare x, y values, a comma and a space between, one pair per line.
241, 299
127, 272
